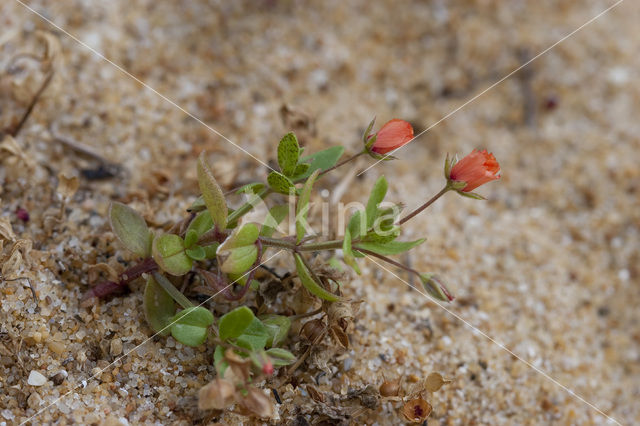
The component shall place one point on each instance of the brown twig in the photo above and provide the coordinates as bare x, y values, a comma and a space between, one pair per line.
14, 132
105, 288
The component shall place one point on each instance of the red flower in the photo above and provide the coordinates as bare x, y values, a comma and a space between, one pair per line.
392, 136
475, 169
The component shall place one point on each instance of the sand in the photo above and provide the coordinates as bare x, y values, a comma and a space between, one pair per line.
546, 267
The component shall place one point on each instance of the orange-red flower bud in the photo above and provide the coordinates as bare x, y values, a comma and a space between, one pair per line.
392, 136
475, 169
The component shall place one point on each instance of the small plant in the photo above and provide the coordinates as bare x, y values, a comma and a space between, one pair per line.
215, 247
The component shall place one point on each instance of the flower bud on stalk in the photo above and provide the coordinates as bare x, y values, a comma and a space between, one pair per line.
435, 287
391, 136
477, 168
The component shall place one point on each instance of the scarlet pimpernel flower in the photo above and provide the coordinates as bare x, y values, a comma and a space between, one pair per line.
391, 136
477, 168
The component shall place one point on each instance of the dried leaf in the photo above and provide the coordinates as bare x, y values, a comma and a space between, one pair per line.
6, 231
216, 395
239, 369
67, 186
11, 266
340, 336
257, 403
315, 394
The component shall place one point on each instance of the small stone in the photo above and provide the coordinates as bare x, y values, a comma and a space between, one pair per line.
36, 378
59, 377
34, 400
56, 347
115, 348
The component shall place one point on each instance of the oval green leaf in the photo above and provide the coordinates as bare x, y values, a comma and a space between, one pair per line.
278, 327
190, 326
130, 228
288, 153
280, 183
158, 307
169, 254
212, 194
234, 323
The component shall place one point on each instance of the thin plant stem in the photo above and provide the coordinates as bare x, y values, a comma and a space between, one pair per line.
386, 259
342, 163
247, 207
173, 292
443, 191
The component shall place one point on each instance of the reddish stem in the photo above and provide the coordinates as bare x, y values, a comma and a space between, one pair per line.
106, 288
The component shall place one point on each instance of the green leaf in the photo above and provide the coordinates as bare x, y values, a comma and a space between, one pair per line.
288, 153
310, 283
367, 132
280, 357
301, 169
210, 251
168, 252
234, 323
251, 188
201, 223
389, 248
190, 238
196, 253
218, 361
473, 195
158, 307
238, 252
275, 216
321, 160
377, 195
278, 328
212, 194
191, 324
280, 183
303, 206
349, 259
389, 235
130, 228
355, 225
254, 337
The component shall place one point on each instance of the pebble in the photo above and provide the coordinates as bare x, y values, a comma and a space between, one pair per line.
34, 400
115, 348
56, 347
36, 378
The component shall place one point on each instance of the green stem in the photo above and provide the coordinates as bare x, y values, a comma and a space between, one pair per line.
247, 207
443, 191
173, 292
323, 245
291, 245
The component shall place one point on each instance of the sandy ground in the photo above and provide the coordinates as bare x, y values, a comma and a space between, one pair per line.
548, 266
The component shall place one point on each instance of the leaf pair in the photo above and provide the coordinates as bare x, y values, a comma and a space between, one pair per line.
240, 326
